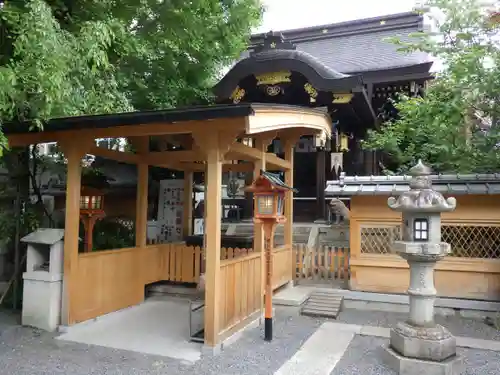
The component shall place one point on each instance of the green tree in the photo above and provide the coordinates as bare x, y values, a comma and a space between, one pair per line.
455, 126
73, 57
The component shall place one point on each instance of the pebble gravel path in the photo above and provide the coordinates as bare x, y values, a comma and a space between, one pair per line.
26, 351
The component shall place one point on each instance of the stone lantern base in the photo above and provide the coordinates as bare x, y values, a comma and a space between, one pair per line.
422, 350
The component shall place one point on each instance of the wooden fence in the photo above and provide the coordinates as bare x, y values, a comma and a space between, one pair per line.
241, 283
115, 279
321, 264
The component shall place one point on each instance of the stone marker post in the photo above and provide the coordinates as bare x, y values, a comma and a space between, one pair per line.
419, 345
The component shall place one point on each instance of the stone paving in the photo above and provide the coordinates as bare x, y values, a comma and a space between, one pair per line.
24, 351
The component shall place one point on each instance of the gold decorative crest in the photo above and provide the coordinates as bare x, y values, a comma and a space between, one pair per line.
273, 78
313, 93
273, 90
237, 95
342, 98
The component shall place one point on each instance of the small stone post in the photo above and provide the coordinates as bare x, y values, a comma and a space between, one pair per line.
419, 345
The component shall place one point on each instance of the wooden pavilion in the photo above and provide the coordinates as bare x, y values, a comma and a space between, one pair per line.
215, 138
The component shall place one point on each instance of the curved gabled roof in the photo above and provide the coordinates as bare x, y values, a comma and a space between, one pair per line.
277, 55
359, 46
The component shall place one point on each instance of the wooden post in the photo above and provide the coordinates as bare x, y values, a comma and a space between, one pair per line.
141, 208
187, 213
213, 202
89, 223
258, 229
289, 153
73, 152
269, 230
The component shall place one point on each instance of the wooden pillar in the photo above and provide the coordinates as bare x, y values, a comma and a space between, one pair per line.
289, 145
141, 207
258, 229
73, 151
213, 202
187, 212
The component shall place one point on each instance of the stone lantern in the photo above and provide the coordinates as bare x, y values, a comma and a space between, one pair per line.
419, 345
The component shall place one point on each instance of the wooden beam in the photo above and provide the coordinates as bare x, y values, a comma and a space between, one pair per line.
203, 126
141, 211
243, 152
173, 156
123, 157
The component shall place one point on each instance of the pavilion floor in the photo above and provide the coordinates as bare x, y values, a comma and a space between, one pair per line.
159, 326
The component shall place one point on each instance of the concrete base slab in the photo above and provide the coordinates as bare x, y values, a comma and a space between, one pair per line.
292, 296
156, 327
411, 366
320, 354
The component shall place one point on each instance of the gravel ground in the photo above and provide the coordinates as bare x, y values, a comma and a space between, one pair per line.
363, 358
25, 351
458, 326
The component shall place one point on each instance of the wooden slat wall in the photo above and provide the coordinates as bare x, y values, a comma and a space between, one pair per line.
181, 263
112, 280
115, 279
282, 265
454, 277
241, 285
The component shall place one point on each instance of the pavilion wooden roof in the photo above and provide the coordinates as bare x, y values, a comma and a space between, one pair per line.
234, 121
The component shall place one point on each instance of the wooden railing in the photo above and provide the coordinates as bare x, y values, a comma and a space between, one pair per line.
241, 283
112, 280
321, 263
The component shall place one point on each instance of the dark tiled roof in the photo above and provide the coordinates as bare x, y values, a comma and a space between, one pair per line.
358, 46
458, 184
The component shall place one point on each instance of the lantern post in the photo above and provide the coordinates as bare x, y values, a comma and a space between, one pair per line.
269, 195
91, 210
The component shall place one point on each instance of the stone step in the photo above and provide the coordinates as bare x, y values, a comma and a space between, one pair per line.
327, 300
323, 303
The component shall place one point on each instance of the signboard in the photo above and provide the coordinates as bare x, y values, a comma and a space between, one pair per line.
170, 210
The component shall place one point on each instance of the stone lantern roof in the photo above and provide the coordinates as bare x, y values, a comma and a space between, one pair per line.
421, 197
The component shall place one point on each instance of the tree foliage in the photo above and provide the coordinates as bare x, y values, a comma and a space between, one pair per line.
72, 57
455, 126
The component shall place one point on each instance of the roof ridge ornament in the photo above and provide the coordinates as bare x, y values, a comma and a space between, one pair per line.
272, 41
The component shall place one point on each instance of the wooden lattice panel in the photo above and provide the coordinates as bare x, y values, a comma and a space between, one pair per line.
472, 241
379, 240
